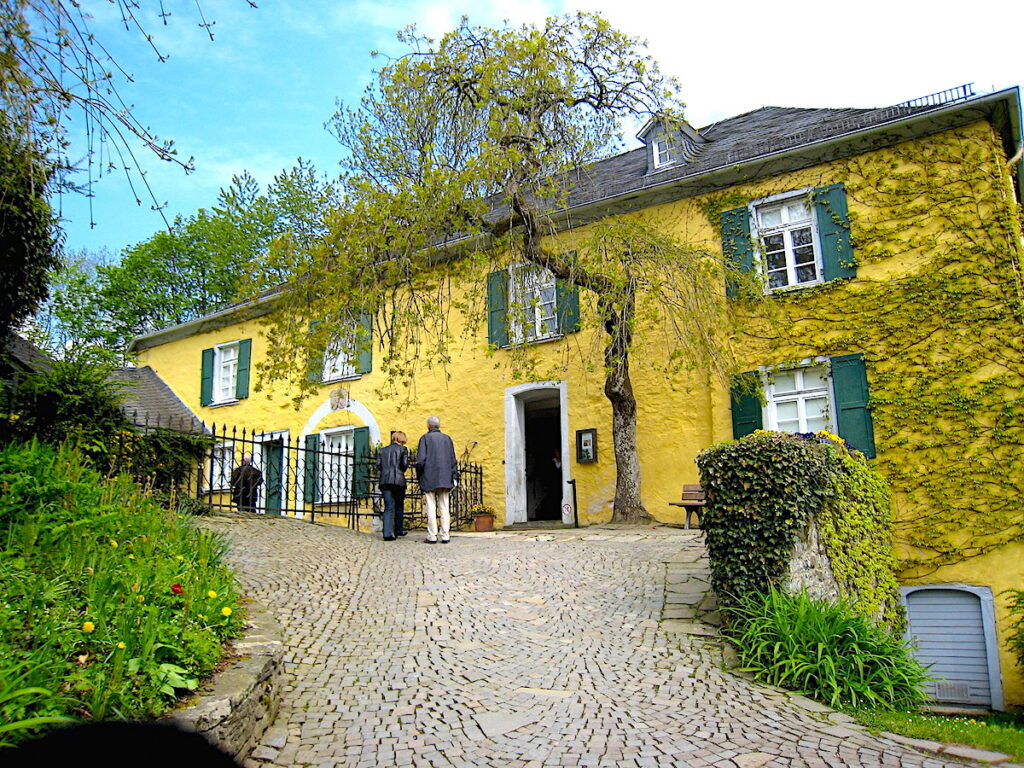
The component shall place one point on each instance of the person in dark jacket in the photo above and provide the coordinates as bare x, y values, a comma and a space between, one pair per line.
245, 485
392, 461
436, 469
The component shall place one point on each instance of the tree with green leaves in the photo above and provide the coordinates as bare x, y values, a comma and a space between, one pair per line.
460, 159
28, 236
201, 264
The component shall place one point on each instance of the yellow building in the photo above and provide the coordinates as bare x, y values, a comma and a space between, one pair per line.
887, 240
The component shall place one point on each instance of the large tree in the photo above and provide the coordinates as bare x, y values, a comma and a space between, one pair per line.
460, 158
28, 235
202, 263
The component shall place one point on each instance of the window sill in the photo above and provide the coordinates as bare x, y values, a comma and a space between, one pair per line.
353, 377
223, 403
530, 342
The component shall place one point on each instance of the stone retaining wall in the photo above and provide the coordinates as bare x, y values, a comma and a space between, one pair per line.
235, 709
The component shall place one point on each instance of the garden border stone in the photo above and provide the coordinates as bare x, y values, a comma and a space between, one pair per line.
236, 707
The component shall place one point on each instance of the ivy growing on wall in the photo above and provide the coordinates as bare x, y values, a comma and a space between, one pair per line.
766, 489
937, 309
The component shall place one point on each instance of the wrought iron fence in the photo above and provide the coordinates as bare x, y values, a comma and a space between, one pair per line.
312, 478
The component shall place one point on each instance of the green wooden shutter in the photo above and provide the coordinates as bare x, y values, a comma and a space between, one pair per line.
853, 415
364, 361
311, 472
746, 404
206, 381
314, 360
497, 308
361, 462
244, 360
567, 298
736, 246
834, 232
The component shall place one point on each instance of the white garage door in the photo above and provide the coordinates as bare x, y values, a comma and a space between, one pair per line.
948, 629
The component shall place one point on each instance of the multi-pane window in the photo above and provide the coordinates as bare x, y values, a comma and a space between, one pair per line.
222, 460
664, 153
799, 400
225, 368
338, 364
336, 465
535, 298
785, 230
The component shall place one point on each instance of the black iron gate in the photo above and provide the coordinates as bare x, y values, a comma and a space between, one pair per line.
333, 476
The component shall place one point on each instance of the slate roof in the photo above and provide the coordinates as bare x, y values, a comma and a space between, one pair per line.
148, 400
18, 354
732, 141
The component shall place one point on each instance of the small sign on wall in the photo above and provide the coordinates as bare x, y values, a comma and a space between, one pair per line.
586, 446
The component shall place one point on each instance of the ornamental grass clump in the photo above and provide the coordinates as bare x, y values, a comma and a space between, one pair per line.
111, 606
825, 650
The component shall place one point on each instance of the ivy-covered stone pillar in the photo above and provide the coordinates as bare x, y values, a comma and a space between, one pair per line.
799, 512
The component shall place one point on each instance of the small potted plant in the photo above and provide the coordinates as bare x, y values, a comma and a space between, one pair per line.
483, 517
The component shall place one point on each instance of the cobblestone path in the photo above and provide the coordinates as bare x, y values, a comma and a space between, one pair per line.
517, 649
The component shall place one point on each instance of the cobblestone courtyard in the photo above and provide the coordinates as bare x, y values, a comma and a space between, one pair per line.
523, 649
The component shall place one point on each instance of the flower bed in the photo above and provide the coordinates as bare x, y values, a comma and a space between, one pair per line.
110, 606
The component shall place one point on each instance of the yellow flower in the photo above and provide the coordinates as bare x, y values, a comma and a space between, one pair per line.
139, 598
88, 627
225, 611
180, 557
121, 646
113, 544
211, 594
201, 617
131, 557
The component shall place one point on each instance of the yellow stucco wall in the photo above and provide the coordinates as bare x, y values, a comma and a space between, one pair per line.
677, 416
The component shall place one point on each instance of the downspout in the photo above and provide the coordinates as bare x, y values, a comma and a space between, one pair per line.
1016, 158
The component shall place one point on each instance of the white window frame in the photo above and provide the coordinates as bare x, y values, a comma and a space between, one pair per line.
758, 233
222, 462
663, 150
223, 392
769, 415
337, 365
525, 304
328, 493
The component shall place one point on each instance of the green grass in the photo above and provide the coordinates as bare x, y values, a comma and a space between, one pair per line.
999, 732
111, 606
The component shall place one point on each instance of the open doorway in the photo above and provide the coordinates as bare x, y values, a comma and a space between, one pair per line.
536, 475
543, 458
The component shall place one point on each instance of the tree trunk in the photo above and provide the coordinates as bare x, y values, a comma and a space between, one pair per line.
616, 305
628, 506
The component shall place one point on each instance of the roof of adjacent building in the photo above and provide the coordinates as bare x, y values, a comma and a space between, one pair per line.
760, 143
19, 354
148, 401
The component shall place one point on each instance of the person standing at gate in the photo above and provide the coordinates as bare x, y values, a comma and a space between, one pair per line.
392, 461
245, 484
436, 469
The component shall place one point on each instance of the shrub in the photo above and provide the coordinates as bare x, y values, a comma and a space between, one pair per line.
78, 402
825, 650
109, 604
763, 492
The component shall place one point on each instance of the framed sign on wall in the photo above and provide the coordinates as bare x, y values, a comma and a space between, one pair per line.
586, 446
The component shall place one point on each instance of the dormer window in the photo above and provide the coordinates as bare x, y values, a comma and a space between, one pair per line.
664, 152
669, 142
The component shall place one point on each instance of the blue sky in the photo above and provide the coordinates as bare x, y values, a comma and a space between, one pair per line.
256, 98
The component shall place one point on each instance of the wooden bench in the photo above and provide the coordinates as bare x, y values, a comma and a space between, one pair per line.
692, 501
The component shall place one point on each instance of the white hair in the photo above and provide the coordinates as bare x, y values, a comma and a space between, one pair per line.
433, 421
